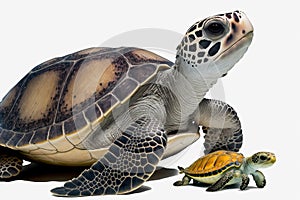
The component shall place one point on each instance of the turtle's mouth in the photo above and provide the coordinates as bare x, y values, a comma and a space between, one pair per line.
231, 55
243, 42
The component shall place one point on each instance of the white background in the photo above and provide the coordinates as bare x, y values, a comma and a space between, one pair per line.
263, 87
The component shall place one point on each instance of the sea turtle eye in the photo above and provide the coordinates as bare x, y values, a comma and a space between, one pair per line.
263, 157
215, 28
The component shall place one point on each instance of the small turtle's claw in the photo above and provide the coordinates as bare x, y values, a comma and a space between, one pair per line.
178, 183
210, 190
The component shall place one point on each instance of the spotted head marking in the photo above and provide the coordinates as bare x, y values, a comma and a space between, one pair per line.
219, 39
262, 159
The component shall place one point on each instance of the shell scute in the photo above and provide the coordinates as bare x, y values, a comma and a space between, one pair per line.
40, 135
15, 139
92, 113
5, 136
61, 96
125, 88
90, 80
215, 163
47, 64
140, 56
142, 72
55, 131
25, 139
69, 125
107, 102
80, 121
35, 106
84, 53
74, 123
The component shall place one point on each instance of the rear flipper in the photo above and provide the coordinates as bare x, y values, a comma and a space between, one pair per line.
185, 180
221, 126
129, 162
10, 163
222, 139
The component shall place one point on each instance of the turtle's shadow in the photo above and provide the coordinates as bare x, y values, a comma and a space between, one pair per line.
36, 172
228, 187
41, 173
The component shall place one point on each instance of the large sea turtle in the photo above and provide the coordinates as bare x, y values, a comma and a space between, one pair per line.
221, 168
122, 110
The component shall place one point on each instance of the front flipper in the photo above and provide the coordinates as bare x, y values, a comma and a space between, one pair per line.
259, 179
220, 124
10, 163
130, 161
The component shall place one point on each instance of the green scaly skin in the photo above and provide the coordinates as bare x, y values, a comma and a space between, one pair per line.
236, 175
249, 166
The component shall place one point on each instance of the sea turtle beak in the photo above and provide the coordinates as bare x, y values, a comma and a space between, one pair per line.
273, 158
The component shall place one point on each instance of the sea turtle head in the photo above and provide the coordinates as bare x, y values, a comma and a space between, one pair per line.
214, 45
262, 160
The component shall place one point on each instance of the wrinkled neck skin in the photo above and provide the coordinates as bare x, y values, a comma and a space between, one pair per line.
248, 167
188, 86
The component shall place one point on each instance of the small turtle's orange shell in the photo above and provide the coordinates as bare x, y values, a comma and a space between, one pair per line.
215, 163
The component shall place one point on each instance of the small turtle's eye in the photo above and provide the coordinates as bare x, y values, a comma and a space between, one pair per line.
263, 157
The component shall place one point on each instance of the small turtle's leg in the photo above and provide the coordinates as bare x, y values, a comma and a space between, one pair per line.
129, 162
185, 181
10, 163
245, 181
259, 179
220, 124
195, 182
221, 183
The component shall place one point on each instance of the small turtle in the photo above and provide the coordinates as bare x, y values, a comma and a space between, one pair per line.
121, 110
223, 168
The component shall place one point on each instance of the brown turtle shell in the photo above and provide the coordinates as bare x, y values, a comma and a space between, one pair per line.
215, 163
64, 94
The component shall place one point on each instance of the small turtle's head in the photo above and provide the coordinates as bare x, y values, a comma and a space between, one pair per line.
215, 44
262, 160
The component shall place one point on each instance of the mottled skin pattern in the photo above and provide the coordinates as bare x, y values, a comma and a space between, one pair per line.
118, 174
10, 164
223, 168
228, 129
121, 110
197, 49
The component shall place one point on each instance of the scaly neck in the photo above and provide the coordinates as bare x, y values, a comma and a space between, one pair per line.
248, 166
188, 91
